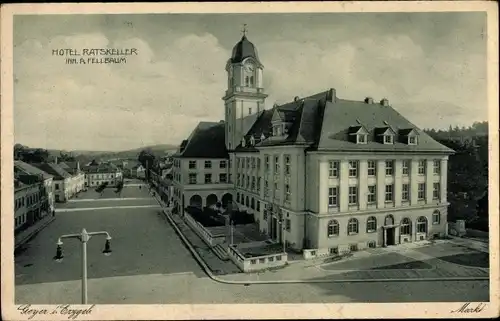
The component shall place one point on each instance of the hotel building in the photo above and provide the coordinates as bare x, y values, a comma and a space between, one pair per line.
319, 172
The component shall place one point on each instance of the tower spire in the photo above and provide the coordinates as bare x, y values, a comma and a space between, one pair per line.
244, 30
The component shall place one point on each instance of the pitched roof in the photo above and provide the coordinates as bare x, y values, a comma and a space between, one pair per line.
304, 117
63, 165
324, 122
206, 141
341, 114
31, 170
53, 169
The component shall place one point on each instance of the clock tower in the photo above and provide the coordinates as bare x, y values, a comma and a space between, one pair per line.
245, 95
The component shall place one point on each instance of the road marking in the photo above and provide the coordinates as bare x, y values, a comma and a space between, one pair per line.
63, 210
108, 199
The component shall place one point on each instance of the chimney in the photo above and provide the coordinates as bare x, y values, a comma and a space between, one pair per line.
55, 160
331, 95
78, 166
384, 102
368, 100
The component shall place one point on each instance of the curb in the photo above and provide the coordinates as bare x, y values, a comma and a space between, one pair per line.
209, 273
32, 234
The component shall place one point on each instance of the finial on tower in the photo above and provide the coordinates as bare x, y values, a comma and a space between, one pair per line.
244, 30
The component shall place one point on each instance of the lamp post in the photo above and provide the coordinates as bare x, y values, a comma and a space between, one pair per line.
84, 237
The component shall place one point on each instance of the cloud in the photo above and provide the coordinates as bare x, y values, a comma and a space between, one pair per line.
117, 106
178, 77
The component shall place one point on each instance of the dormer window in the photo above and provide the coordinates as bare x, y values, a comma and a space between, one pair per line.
409, 136
388, 139
358, 134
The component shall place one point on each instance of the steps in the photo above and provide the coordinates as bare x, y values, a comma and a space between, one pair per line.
220, 252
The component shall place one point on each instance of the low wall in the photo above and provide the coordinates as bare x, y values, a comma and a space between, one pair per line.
477, 233
457, 228
315, 253
257, 263
205, 234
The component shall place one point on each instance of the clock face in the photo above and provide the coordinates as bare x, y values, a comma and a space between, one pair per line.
249, 67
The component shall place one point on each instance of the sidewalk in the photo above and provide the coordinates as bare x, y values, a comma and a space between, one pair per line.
474, 244
216, 265
31, 231
309, 271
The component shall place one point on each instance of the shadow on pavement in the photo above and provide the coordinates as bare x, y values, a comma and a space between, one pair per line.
142, 243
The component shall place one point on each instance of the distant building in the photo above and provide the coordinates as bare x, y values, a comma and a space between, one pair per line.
318, 172
22, 168
139, 171
77, 176
63, 181
99, 173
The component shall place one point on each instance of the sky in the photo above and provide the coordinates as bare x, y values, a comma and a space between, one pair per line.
430, 66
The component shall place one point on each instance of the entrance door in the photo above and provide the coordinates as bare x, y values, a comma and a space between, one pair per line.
274, 232
391, 236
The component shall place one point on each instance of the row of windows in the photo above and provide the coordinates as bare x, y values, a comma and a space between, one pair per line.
333, 227
30, 200
207, 164
193, 178
20, 221
334, 168
371, 195
254, 162
362, 138
100, 176
247, 201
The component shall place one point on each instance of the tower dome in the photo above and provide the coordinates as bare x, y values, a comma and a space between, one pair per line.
244, 49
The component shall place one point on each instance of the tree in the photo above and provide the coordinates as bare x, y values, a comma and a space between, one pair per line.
147, 160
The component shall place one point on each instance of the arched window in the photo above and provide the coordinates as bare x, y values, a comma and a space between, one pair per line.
353, 226
436, 217
252, 205
405, 228
389, 220
247, 203
422, 225
333, 228
371, 224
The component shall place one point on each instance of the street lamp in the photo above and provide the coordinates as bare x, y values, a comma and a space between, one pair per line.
84, 237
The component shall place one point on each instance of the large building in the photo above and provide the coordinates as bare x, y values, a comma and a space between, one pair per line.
21, 169
32, 196
62, 180
319, 172
100, 173
77, 176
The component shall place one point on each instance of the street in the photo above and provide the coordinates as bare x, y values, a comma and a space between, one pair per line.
150, 265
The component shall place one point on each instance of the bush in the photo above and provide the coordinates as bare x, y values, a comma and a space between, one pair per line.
205, 217
241, 218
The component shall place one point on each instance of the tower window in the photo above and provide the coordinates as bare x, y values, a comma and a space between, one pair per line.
247, 80
251, 80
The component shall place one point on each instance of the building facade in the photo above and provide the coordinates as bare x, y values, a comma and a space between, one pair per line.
31, 200
97, 174
62, 181
318, 172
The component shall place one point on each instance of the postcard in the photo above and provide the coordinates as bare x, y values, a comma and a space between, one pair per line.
249, 160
